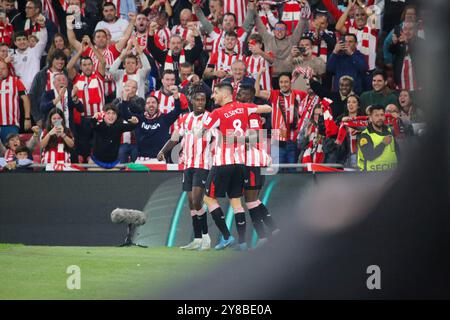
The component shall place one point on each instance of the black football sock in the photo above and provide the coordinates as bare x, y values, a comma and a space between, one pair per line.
257, 223
266, 217
219, 220
240, 225
203, 223
197, 227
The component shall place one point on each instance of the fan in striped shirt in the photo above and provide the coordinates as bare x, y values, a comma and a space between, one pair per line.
219, 64
197, 162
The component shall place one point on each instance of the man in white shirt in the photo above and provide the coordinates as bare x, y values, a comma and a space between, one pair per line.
116, 26
27, 60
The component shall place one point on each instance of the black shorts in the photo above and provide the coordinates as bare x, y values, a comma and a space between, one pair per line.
194, 177
253, 179
228, 179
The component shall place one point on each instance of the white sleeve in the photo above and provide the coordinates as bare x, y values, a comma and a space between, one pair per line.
39, 49
145, 66
114, 69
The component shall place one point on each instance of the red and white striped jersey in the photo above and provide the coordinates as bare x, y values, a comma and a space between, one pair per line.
232, 121
238, 7
111, 54
367, 41
282, 121
218, 36
196, 148
257, 151
91, 92
222, 60
56, 155
254, 64
10, 90
167, 103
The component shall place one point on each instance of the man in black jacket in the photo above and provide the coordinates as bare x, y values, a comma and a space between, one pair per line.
405, 46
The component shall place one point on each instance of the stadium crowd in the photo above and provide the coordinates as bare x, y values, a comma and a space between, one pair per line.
334, 72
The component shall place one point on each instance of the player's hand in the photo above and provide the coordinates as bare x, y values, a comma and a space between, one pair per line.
387, 140
160, 156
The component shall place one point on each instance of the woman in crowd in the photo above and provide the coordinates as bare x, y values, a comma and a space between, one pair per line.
57, 140
59, 42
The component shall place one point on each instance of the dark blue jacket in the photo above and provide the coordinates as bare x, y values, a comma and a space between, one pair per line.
151, 135
46, 104
354, 66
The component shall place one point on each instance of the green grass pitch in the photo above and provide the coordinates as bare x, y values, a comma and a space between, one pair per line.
39, 272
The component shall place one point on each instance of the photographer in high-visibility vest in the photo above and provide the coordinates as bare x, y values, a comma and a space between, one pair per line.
377, 149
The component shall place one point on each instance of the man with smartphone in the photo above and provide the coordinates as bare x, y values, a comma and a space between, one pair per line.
305, 64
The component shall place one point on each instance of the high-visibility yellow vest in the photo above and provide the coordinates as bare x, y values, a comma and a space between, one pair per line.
386, 161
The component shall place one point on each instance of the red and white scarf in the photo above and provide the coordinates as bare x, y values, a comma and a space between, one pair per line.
169, 65
306, 107
314, 151
408, 80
